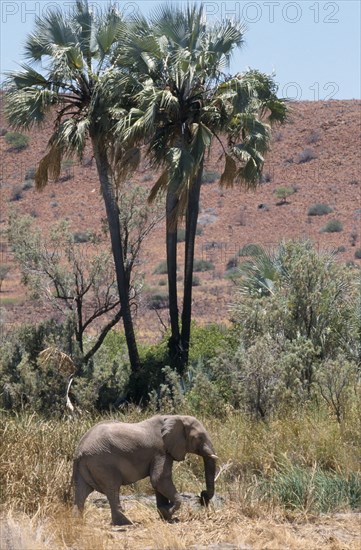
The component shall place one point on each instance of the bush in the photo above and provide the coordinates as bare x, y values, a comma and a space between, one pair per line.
210, 177
313, 137
181, 235
4, 271
158, 301
306, 156
319, 209
28, 184
161, 268
283, 193
16, 193
25, 381
202, 265
333, 226
81, 236
358, 254
313, 490
16, 141
30, 174
196, 281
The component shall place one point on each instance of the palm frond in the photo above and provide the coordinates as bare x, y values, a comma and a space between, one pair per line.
229, 172
49, 167
159, 186
25, 107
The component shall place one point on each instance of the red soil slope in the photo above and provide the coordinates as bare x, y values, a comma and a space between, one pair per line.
325, 135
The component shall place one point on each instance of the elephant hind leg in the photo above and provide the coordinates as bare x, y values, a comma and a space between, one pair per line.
118, 518
81, 491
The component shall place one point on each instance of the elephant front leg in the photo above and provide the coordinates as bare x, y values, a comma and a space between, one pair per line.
168, 499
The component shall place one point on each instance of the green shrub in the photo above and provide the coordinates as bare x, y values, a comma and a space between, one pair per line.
16, 193
306, 156
196, 281
202, 265
30, 174
332, 226
158, 301
284, 192
28, 184
210, 177
25, 381
358, 254
16, 141
162, 282
181, 235
161, 268
82, 236
313, 490
319, 209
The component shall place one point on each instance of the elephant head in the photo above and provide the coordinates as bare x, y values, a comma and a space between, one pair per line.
186, 434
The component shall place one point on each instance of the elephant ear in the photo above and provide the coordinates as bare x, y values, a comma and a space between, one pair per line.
174, 436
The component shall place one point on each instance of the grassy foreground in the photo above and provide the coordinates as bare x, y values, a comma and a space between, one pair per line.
289, 483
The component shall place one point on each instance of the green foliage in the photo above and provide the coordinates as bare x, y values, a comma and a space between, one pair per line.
161, 268
294, 327
358, 254
26, 383
284, 192
181, 235
210, 177
319, 209
332, 226
30, 173
159, 300
104, 383
196, 281
16, 193
83, 236
202, 265
168, 398
306, 155
16, 141
313, 490
4, 271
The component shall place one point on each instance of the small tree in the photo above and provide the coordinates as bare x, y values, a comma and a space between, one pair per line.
283, 193
75, 279
4, 270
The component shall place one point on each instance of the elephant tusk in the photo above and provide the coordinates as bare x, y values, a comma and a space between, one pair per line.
215, 457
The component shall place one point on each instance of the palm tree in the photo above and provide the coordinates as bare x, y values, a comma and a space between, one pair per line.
185, 101
77, 54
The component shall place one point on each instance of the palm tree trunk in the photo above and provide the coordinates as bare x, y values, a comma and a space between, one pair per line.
171, 245
111, 207
191, 229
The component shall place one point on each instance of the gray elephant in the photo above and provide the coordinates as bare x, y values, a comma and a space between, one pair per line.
115, 453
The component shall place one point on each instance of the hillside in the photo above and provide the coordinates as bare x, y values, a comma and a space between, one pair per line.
317, 154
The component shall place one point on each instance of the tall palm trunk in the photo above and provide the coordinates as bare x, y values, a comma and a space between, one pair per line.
111, 207
191, 229
171, 245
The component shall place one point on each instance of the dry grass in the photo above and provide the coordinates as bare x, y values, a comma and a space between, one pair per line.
198, 529
35, 470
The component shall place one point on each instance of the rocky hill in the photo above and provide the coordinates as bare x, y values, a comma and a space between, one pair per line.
315, 158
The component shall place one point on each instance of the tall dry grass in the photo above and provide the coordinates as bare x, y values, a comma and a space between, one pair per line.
270, 473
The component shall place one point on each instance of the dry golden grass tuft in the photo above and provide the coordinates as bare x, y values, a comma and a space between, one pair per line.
195, 529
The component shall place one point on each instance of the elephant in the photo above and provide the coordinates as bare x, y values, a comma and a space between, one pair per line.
114, 453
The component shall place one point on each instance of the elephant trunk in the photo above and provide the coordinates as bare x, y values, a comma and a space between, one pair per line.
209, 472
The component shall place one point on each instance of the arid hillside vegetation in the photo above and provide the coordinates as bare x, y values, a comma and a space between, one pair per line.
311, 188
